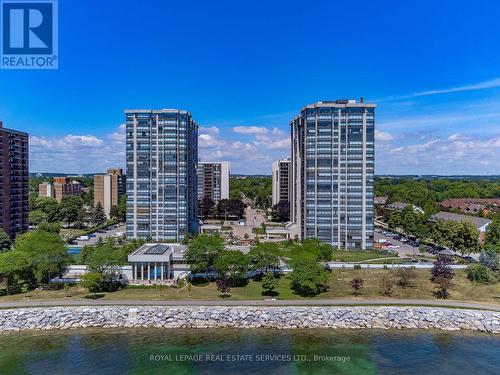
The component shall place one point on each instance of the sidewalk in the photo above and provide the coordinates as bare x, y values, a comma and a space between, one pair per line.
264, 302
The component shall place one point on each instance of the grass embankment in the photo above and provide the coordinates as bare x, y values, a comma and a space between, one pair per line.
339, 287
357, 256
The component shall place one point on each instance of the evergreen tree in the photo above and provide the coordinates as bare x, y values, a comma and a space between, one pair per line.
99, 216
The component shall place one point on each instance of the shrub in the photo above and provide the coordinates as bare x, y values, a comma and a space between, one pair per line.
442, 269
387, 286
269, 284
479, 273
357, 284
442, 284
406, 276
223, 286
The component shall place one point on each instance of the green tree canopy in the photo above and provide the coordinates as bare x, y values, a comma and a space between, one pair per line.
493, 233
263, 256
69, 209
47, 251
202, 252
232, 264
15, 267
308, 278
281, 211
5, 241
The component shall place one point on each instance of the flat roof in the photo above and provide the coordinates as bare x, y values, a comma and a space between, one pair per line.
166, 110
153, 252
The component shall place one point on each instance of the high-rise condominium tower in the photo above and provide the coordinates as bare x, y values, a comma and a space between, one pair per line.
162, 151
213, 180
14, 184
281, 180
333, 170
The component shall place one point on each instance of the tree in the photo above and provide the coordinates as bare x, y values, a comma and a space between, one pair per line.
490, 258
50, 227
394, 220
308, 278
406, 276
479, 273
357, 284
442, 269
114, 212
5, 241
443, 232
387, 286
223, 286
230, 208
281, 211
47, 252
202, 252
466, 239
36, 217
462, 237
442, 285
207, 204
49, 207
269, 284
69, 209
493, 233
93, 282
98, 215
263, 200
262, 257
122, 208
15, 267
232, 264
313, 248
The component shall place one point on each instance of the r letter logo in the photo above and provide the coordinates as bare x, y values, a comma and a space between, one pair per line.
29, 34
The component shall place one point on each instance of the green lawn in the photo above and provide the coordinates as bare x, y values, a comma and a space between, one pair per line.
339, 287
356, 255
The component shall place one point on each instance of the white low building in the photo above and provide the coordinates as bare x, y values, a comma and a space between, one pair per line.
156, 263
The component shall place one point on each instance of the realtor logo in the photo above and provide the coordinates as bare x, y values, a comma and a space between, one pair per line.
29, 34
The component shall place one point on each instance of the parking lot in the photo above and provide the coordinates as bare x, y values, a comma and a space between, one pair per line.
106, 233
404, 249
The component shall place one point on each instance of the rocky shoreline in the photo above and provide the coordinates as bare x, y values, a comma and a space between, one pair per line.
381, 317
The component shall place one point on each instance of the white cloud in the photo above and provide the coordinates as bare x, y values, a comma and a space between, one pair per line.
77, 153
483, 85
383, 136
250, 130
453, 154
213, 130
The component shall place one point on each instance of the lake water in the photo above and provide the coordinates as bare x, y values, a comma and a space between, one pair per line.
230, 351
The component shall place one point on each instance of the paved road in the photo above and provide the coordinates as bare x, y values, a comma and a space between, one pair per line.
254, 219
264, 302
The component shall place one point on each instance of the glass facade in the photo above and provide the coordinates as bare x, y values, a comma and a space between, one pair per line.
333, 171
162, 151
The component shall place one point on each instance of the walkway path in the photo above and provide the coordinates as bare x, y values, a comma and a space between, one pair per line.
264, 302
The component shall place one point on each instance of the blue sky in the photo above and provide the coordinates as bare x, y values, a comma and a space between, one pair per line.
244, 69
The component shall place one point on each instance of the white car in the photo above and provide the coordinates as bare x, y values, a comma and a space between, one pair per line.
392, 246
83, 238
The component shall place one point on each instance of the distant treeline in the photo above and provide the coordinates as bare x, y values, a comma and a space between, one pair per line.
425, 191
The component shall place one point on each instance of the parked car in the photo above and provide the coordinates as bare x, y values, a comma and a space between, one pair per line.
83, 238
